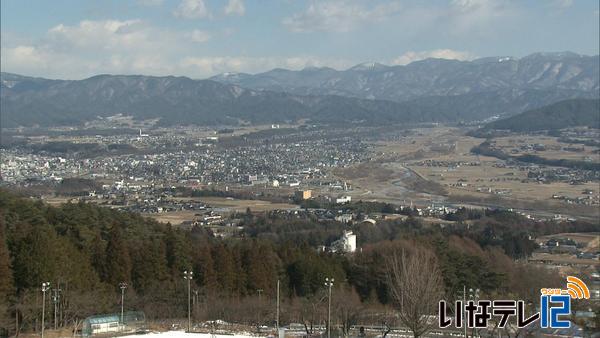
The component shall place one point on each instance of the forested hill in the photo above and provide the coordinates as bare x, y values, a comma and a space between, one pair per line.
563, 114
27, 101
88, 250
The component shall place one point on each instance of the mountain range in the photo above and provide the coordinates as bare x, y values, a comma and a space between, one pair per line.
431, 90
433, 77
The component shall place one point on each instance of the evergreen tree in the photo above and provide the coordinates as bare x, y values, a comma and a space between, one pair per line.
118, 261
226, 268
204, 268
6, 282
149, 266
35, 257
178, 257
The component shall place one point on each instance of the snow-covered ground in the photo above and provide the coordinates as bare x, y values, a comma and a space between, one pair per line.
182, 334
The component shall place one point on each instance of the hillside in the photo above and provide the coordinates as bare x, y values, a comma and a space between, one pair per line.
30, 101
563, 114
174, 100
431, 90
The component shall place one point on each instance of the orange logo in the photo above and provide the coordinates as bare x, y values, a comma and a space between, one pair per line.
576, 288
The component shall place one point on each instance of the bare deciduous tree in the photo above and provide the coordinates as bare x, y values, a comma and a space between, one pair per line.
416, 285
348, 309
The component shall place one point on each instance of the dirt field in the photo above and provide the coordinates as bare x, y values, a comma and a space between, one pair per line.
232, 204
444, 169
227, 205
174, 218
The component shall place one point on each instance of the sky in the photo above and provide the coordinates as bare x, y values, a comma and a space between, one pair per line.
75, 39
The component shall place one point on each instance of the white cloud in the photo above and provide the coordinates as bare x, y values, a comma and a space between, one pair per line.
192, 9
104, 34
235, 7
449, 54
91, 47
133, 47
23, 55
150, 2
339, 15
199, 36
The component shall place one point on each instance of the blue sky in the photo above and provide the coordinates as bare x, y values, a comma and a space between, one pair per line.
74, 39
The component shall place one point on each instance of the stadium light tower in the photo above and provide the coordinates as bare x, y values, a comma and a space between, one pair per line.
122, 286
45, 287
329, 284
189, 275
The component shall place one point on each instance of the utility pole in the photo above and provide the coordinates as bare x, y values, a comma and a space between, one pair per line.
329, 284
189, 275
45, 287
122, 286
277, 318
474, 295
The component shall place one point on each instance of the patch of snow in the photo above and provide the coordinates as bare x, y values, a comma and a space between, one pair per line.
237, 91
556, 69
183, 334
9, 84
541, 73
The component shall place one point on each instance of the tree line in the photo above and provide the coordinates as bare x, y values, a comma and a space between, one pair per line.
86, 251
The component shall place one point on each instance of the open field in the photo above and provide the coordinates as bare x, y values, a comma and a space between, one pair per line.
56, 201
227, 205
436, 164
175, 218
240, 205
550, 148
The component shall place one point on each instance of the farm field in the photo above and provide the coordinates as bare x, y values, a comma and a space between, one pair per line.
227, 205
240, 205
438, 166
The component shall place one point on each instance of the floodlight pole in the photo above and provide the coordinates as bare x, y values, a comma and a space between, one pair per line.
122, 286
189, 275
277, 318
45, 287
329, 284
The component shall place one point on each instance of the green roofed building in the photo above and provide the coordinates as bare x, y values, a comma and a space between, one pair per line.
109, 324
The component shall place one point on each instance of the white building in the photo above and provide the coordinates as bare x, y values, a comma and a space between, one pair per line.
343, 199
345, 244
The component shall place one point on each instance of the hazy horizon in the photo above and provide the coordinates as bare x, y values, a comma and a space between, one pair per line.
298, 69
203, 38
